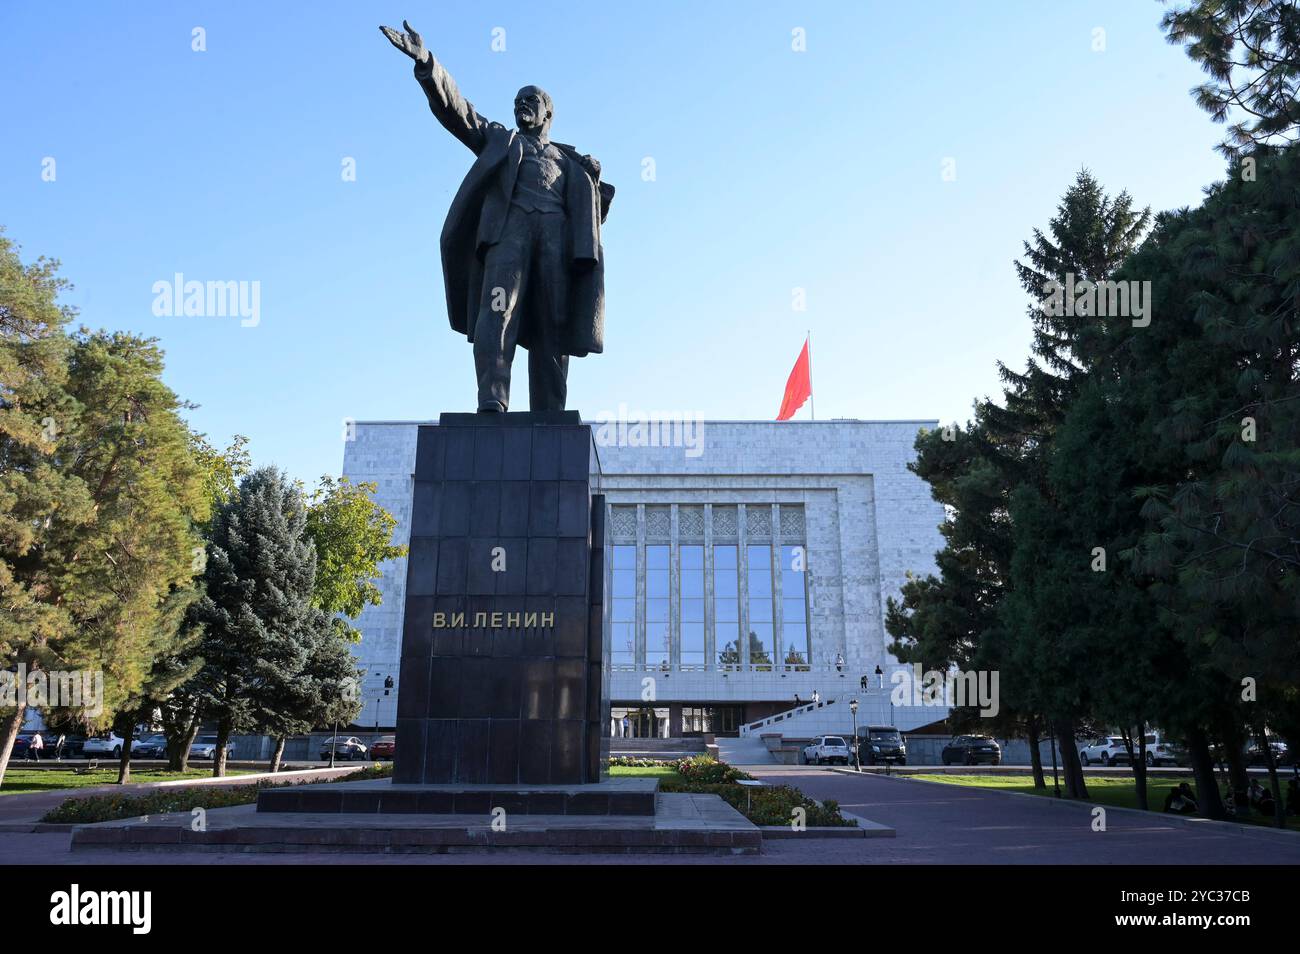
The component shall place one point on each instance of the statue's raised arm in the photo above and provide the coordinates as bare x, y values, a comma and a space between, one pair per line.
455, 112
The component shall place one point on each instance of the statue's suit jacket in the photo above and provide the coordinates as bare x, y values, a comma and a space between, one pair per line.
478, 215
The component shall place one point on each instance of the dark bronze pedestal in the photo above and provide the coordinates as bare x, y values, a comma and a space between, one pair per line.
503, 636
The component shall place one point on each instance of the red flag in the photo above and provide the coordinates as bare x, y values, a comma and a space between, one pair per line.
799, 388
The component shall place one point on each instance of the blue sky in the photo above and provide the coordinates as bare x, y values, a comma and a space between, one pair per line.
774, 170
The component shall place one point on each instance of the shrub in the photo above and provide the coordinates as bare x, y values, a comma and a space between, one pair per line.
636, 761
707, 770
90, 809
771, 805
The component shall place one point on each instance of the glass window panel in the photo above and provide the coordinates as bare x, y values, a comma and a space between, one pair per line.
656, 583
760, 558
795, 611
625, 558
658, 648
656, 610
795, 640
792, 583
725, 584
692, 584
728, 653
692, 611
727, 610
760, 584
625, 583
623, 643
760, 611
724, 558
692, 644
794, 559
760, 644
692, 557
656, 558
625, 610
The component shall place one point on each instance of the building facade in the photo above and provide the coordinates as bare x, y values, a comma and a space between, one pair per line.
750, 567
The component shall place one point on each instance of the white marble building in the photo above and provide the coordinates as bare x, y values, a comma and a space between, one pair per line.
792, 532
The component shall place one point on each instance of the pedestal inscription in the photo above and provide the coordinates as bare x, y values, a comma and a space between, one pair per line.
503, 635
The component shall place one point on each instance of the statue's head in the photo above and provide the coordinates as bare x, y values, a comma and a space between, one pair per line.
533, 110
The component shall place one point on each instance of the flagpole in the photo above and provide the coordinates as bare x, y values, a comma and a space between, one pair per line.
812, 398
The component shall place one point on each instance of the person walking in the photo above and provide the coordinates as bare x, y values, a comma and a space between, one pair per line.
839, 662
817, 697
59, 744
34, 749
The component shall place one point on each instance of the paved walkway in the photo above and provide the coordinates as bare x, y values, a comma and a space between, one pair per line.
936, 824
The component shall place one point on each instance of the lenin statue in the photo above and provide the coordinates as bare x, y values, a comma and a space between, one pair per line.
521, 256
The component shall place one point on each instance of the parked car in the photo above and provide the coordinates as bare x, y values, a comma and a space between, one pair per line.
881, 745
971, 750
826, 748
1108, 750
150, 747
205, 747
1161, 750
110, 743
1255, 755
382, 747
21, 745
349, 747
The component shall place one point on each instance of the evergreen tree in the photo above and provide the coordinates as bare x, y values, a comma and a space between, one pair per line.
1251, 50
262, 631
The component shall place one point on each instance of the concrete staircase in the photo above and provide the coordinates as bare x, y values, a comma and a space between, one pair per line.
657, 748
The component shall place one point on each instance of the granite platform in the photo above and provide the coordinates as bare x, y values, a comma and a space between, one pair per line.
681, 824
616, 796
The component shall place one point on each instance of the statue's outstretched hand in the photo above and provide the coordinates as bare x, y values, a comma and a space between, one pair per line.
409, 42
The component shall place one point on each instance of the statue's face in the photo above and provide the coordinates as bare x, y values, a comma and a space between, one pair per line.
532, 109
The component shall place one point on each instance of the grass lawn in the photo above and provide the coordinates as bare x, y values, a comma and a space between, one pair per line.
1116, 792
20, 780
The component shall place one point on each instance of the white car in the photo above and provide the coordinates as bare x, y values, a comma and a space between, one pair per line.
826, 748
205, 747
1109, 750
110, 743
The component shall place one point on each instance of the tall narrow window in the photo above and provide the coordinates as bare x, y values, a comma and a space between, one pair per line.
795, 640
726, 605
692, 608
658, 625
623, 610
761, 651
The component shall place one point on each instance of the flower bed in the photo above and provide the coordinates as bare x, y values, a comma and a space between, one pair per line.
770, 805
183, 799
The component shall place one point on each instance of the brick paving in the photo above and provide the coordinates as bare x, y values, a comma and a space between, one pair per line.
935, 824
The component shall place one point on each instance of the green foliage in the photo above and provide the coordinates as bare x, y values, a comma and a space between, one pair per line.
705, 770
272, 659
1251, 51
182, 800
99, 492
353, 535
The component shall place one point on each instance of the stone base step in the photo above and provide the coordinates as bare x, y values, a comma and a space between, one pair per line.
618, 796
684, 824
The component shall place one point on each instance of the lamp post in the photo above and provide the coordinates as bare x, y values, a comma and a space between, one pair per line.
857, 746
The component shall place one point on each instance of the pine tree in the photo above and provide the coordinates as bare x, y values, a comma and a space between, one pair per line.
99, 495
1251, 50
